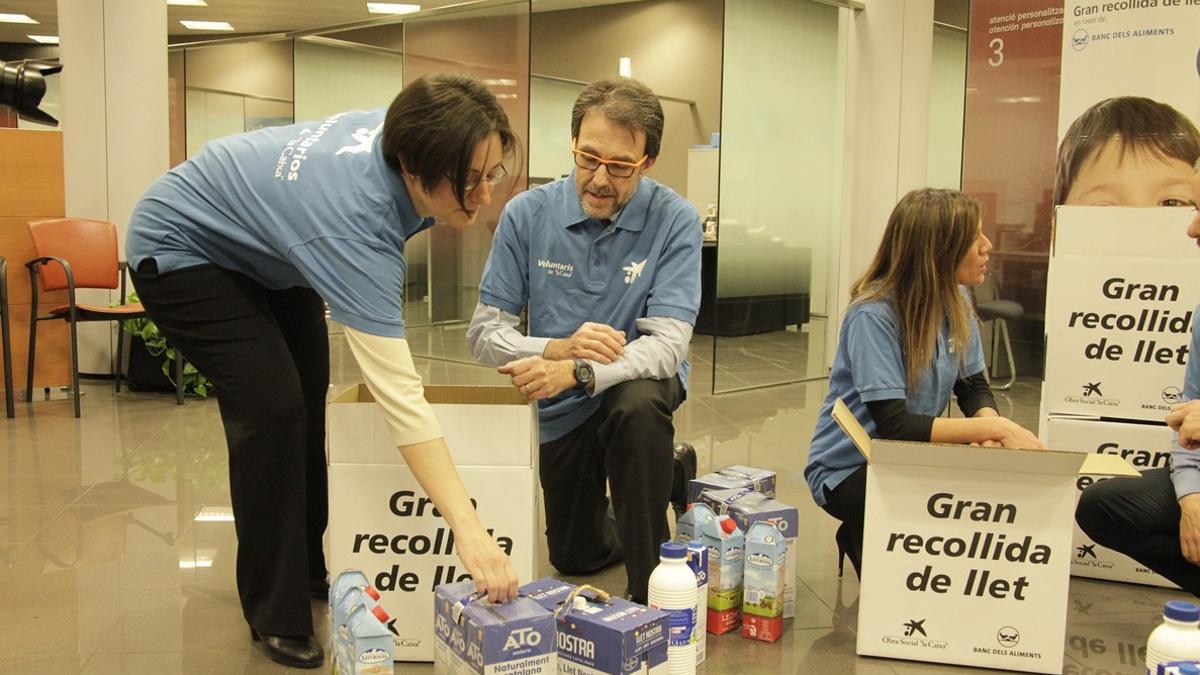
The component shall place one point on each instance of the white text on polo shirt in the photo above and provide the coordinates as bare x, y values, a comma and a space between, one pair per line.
556, 268
296, 150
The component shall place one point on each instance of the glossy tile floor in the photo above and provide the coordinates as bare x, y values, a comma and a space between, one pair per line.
115, 556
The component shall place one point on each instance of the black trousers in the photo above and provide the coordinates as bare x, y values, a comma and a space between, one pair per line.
267, 353
1140, 518
627, 442
848, 503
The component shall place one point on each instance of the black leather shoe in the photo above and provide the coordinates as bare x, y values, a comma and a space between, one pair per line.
319, 590
685, 471
297, 652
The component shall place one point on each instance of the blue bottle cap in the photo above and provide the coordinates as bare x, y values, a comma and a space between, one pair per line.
1189, 669
673, 549
695, 545
1181, 610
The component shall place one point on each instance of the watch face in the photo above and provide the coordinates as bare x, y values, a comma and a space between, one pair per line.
583, 372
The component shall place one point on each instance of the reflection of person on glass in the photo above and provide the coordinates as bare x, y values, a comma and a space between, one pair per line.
1155, 519
1127, 151
908, 340
233, 253
607, 263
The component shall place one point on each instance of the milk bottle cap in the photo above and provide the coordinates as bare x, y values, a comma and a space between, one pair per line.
672, 549
1181, 610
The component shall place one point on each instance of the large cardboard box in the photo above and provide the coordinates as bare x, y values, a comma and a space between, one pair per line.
1122, 287
1145, 446
381, 521
966, 551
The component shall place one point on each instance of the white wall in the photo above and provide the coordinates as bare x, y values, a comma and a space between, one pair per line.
550, 103
947, 93
332, 79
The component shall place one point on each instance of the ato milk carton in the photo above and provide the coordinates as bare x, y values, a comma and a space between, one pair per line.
601, 635
692, 521
698, 561
368, 643
759, 480
477, 637
726, 544
756, 508
720, 500
762, 596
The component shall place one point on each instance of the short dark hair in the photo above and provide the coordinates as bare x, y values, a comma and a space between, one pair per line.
1138, 123
626, 102
434, 124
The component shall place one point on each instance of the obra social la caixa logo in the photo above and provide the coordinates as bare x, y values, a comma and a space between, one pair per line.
1085, 556
915, 635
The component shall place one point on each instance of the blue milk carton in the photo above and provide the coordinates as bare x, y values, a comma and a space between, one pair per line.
759, 480
762, 593
484, 638
698, 561
754, 508
369, 650
720, 500
692, 521
602, 635
344, 582
726, 544
341, 635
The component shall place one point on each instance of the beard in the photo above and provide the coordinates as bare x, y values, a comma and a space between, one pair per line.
605, 209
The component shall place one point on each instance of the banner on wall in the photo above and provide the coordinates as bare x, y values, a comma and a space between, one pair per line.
1147, 48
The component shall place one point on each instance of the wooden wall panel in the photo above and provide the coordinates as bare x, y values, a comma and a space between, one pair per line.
31, 187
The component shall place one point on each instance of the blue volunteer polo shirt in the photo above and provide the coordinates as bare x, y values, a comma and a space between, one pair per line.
312, 204
547, 255
869, 366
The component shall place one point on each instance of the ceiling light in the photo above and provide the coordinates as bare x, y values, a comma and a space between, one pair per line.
625, 67
500, 82
188, 3
392, 8
44, 39
207, 25
15, 18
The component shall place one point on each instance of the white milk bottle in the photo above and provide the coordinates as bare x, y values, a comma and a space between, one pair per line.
1177, 638
673, 590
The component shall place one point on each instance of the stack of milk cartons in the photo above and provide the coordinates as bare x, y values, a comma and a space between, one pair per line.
475, 636
758, 480
602, 635
362, 643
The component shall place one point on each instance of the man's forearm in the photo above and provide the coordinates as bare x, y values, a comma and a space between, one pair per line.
656, 354
495, 340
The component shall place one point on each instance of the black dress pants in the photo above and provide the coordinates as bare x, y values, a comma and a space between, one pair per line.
267, 353
628, 442
1140, 518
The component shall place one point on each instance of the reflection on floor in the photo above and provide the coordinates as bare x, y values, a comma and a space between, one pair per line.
117, 554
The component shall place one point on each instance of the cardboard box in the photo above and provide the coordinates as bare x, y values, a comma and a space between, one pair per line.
476, 636
759, 480
381, 522
966, 550
617, 637
1145, 446
1119, 311
720, 500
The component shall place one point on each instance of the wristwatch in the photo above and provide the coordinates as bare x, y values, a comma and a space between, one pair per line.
583, 374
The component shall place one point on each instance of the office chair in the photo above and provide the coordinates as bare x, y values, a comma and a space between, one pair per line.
990, 307
78, 253
5, 343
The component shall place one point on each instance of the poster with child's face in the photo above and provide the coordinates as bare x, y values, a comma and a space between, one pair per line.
1129, 102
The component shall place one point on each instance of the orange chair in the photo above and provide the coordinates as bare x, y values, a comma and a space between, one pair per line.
9, 409
76, 253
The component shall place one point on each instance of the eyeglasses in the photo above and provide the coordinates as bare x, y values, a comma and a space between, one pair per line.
474, 180
615, 168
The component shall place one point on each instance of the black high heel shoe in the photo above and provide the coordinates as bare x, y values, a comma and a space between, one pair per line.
846, 550
297, 652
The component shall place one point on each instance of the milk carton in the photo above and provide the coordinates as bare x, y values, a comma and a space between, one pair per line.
725, 544
341, 635
698, 561
368, 643
477, 637
755, 508
609, 636
762, 596
344, 582
692, 521
759, 480
720, 500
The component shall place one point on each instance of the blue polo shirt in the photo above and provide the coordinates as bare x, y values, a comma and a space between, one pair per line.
868, 367
312, 204
549, 256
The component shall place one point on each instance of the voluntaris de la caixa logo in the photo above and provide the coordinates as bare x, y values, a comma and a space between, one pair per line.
291, 159
915, 635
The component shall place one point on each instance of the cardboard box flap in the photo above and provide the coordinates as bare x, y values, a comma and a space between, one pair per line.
482, 394
1108, 465
850, 425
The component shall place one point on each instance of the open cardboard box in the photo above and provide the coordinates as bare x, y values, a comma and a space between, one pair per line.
381, 522
967, 550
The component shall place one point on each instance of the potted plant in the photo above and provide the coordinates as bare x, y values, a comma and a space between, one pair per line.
154, 344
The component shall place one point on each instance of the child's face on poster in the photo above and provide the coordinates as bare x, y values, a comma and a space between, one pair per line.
1131, 176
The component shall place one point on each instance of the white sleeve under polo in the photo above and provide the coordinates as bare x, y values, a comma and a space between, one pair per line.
387, 367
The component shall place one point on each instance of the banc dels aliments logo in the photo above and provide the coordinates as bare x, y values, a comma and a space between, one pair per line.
1008, 637
1079, 40
914, 635
1171, 395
